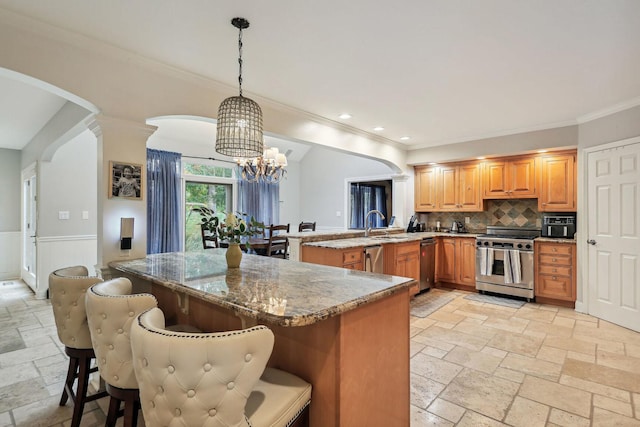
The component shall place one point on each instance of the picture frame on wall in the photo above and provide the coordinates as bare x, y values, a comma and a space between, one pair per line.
125, 180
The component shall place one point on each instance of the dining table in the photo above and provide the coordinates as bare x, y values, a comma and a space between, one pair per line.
257, 245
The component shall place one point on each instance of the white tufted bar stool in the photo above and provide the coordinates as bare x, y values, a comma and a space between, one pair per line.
67, 289
111, 309
213, 379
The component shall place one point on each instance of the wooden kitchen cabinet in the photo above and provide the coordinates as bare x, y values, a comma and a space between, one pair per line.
459, 188
510, 178
425, 188
456, 261
403, 259
555, 267
557, 183
351, 258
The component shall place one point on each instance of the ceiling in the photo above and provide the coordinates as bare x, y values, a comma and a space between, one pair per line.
439, 71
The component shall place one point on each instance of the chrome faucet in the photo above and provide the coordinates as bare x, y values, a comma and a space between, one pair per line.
367, 222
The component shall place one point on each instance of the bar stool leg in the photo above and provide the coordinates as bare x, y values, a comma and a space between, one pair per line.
68, 384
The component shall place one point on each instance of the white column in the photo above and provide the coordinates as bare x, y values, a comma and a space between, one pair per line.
120, 141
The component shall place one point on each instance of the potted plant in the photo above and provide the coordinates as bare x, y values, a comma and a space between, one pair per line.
233, 229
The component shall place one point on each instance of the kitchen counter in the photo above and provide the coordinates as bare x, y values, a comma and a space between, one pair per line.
266, 289
555, 240
328, 324
355, 238
378, 239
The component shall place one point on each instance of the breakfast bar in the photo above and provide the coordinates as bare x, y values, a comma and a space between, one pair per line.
346, 332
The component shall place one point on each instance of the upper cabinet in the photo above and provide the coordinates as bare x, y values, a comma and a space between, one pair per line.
510, 178
463, 187
459, 189
425, 188
451, 187
557, 183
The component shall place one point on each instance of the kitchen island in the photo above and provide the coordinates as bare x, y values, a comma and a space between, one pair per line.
346, 332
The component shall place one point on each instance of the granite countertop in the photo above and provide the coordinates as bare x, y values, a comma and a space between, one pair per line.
275, 291
379, 238
555, 240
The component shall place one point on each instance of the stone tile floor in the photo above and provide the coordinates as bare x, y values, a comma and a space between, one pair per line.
472, 364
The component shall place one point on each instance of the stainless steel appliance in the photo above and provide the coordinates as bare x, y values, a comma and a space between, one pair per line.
504, 261
559, 225
427, 263
374, 259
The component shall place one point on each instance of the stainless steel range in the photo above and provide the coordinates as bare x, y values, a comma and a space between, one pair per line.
504, 261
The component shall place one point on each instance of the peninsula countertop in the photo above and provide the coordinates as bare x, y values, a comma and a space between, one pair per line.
275, 291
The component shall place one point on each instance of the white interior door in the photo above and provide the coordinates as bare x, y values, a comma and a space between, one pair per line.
614, 235
29, 217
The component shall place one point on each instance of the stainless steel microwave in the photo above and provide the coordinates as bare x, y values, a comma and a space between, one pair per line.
559, 225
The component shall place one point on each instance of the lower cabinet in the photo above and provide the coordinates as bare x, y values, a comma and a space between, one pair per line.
456, 261
555, 267
351, 258
403, 259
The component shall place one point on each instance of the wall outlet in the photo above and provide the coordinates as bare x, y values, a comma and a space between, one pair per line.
63, 214
338, 213
467, 220
85, 214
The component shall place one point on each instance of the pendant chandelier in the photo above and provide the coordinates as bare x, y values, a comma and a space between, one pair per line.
269, 168
239, 125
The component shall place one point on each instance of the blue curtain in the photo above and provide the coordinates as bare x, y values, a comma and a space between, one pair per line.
364, 198
261, 200
164, 170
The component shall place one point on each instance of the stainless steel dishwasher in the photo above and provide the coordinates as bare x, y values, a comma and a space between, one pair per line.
373, 259
427, 263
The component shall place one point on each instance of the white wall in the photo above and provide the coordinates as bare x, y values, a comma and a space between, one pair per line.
10, 193
67, 183
323, 177
10, 222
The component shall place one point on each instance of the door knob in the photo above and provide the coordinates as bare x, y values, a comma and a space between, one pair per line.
591, 242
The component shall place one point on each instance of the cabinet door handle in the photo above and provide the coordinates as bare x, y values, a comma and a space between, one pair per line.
554, 277
555, 270
591, 242
554, 259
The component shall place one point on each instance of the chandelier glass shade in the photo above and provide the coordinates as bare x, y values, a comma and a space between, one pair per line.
239, 124
269, 168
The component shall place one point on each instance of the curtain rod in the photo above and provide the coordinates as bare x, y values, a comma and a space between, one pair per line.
209, 158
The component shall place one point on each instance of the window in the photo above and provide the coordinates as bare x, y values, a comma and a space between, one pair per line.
367, 196
205, 185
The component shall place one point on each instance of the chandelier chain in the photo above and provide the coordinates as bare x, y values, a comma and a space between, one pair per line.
240, 60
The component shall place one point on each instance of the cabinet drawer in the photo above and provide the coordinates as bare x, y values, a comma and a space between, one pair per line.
557, 287
554, 270
555, 249
353, 266
351, 257
555, 259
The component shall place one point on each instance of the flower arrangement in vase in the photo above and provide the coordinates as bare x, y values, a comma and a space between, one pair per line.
231, 228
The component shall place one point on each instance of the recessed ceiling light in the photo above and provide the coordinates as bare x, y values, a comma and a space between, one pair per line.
405, 138
542, 151
345, 116
481, 158
378, 128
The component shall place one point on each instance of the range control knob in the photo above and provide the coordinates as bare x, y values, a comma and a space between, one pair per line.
479, 243
528, 246
486, 243
519, 245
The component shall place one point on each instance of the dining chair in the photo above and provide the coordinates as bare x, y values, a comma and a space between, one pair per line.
209, 238
307, 226
67, 288
213, 379
278, 243
111, 308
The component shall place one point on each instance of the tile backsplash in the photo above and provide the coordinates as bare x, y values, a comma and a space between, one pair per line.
507, 213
